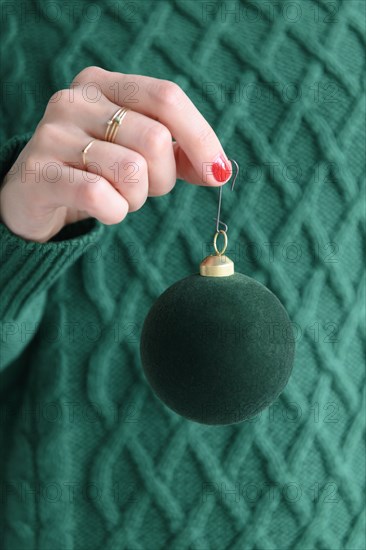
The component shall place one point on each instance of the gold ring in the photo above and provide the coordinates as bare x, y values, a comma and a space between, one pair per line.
85, 150
114, 123
225, 243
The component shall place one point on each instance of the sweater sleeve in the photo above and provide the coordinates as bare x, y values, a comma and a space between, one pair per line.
28, 268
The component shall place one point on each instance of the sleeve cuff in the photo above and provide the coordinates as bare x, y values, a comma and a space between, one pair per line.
29, 268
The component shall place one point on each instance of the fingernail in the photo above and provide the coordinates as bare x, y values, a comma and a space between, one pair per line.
220, 169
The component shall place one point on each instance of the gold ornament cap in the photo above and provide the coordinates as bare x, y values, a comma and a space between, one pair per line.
216, 266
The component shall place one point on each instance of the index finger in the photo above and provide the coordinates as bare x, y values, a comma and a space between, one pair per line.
166, 102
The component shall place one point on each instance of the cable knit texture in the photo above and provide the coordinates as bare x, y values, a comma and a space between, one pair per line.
90, 458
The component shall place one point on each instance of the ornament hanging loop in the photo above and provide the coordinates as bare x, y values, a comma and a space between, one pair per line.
225, 243
220, 222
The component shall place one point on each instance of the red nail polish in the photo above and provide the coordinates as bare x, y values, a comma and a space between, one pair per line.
220, 169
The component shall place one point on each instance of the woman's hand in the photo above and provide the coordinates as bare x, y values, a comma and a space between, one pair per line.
48, 186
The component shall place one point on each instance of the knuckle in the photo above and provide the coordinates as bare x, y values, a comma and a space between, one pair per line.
59, 97
55, 97
89, 74
157, 138
60, 101
170, 94
45, 134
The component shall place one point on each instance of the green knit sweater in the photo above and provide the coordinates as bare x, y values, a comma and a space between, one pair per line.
90, 458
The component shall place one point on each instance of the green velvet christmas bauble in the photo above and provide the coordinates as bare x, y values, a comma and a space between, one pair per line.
217, 349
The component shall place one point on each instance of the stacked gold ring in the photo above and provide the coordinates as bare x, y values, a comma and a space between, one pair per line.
85, 150
114, 123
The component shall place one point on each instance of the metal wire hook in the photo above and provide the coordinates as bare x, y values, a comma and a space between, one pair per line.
218, 221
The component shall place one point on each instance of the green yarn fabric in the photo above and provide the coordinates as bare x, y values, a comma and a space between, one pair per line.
90, 458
